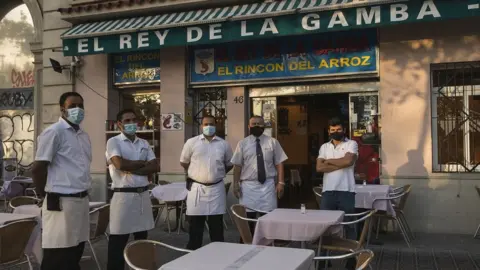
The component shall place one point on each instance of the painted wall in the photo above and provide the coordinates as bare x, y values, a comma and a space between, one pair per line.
444, 203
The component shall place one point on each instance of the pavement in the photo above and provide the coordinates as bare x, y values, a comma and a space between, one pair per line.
428, 251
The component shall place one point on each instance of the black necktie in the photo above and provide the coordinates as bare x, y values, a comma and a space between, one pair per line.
262, 176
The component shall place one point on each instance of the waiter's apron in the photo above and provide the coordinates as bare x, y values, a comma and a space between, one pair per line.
206, 200
130, 212
262, 197
66, 228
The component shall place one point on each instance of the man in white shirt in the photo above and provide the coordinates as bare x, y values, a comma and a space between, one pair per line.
257, 160
206, 158
336, 159
62, 171
130, 161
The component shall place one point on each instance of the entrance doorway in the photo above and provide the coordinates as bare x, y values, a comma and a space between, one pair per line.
300, 124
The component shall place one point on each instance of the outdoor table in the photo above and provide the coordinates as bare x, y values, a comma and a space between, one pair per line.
22, 212
174, 192
221, 256
366, 194
292, 225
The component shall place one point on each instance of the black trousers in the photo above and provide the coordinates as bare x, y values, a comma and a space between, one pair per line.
62, 258
116, 245
197, 225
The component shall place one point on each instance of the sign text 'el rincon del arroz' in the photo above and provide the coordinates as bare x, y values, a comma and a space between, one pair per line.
295, 24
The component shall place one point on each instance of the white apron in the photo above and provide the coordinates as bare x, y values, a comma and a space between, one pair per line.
130, 213
259, 196
206, 200
66, 228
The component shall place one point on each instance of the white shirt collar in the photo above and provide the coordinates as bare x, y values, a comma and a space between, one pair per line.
125, 138
64, 124
202, 137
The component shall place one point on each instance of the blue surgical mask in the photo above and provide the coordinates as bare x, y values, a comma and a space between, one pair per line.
209, 131
130, 129
75, 115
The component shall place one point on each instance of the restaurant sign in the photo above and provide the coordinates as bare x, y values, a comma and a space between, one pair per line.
341, 53
294, 24
136, 68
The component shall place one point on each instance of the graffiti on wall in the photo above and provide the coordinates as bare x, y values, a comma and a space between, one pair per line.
16, 127
22, 79
16, 99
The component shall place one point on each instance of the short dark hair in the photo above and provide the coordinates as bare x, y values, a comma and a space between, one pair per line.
66, 95
209, 116
335, 121
124, 111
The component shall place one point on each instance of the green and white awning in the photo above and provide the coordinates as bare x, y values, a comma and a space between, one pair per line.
254, 21
212, 15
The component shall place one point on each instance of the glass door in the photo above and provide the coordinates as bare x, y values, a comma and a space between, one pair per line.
267, 108
365, 129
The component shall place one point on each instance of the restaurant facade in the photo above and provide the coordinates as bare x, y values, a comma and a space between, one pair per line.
403, 76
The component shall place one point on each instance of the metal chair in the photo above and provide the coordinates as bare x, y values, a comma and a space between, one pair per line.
99, 229
336, 243
364, 257
14, 238
478, 228
23, 200
318, 194
399, 214
241, 220
140, 254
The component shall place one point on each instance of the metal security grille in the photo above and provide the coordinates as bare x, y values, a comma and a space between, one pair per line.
211, 101
456, 117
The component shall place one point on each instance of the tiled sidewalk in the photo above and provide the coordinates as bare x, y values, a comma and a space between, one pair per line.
428, 251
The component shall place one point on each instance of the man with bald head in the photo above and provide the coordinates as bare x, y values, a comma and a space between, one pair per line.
258, 160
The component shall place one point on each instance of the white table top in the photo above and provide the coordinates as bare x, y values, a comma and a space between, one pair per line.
292, 225
171, 193
24, 180
221, 256
8, 217
366, 195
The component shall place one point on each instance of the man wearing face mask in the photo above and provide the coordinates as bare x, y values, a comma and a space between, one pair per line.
336, 159
130, 161
61, 173
206, 158
257, 160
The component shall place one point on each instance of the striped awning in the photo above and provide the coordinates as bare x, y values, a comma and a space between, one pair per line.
212, 15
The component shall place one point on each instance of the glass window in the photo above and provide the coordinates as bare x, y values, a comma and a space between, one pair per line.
211, 101
455, 117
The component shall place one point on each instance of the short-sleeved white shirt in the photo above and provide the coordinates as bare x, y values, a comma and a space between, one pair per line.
123, 147
246, 156
207, 159
343, 179
70, 155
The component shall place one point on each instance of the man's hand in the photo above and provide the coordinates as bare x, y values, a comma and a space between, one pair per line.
280, 188
237, 191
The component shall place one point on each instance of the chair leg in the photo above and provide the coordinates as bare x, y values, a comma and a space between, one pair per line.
476, 232
225, 224
180, 219
167, 220
230, 215
94, 255
378, 227
404, 233
405, 224
30, 266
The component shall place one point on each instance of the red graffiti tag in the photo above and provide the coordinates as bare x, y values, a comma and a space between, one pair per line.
22, 79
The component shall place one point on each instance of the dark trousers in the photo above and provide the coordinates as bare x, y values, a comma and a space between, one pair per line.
62, 258
344, 201
116, 245
197, 225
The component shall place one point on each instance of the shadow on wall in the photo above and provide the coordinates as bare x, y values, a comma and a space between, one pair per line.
17, 133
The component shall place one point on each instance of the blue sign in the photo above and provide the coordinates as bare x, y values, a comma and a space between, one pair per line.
136, 68
341, 53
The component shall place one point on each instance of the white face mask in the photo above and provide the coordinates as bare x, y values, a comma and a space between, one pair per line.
75, 115
209, 131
